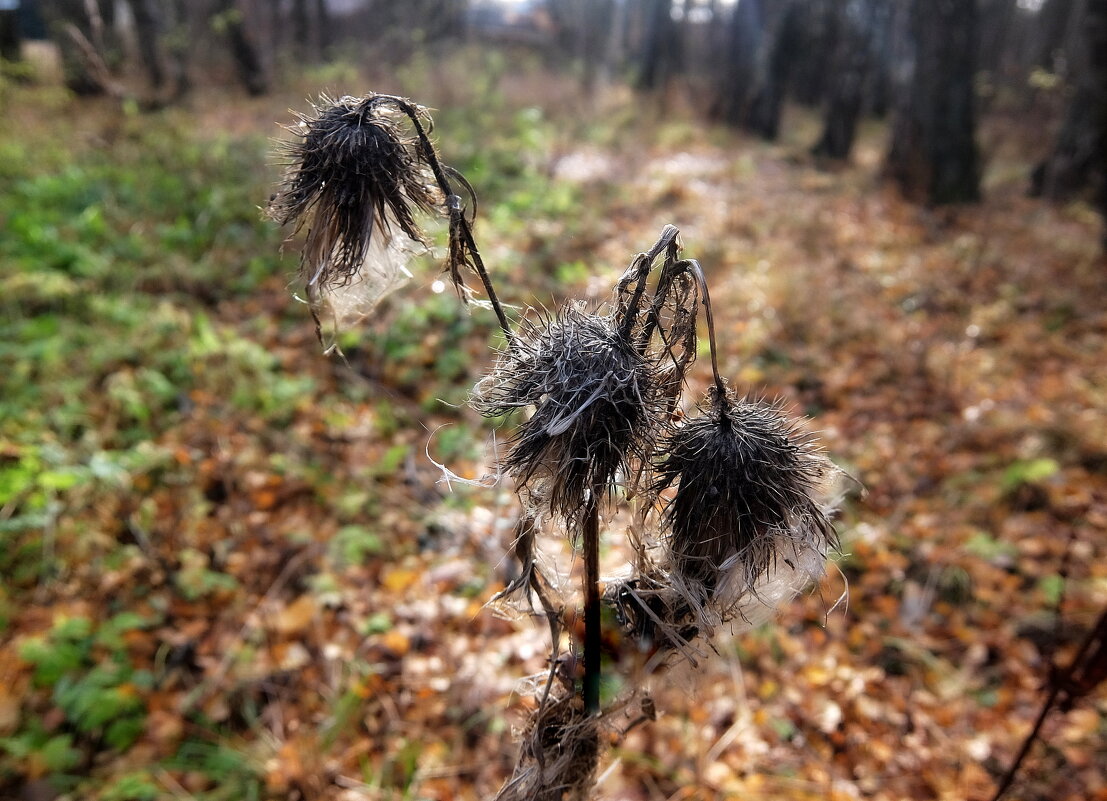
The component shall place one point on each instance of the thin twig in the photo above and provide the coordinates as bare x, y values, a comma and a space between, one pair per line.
94, 63
1063, 687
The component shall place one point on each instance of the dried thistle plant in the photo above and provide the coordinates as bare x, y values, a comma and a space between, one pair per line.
353, 172
734, 519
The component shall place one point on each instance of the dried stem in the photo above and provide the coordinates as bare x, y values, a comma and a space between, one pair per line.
592, 638
456, 215
696, 270
1064, 686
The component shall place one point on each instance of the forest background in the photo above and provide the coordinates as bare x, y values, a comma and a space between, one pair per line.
229, 567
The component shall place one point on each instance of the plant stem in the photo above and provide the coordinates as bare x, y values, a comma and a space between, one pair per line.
486, 280
1065, 686
443, 182
1009, 777
592, 639
697, 271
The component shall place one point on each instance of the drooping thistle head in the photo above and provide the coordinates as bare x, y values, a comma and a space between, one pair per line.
596, 402
357, 180
748, 500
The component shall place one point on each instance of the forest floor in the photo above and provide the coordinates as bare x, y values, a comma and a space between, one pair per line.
231, 570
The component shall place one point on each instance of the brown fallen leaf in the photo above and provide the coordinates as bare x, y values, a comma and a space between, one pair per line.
297, 616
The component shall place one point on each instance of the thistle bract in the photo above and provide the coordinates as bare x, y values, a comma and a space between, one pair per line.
747, 504
595, 399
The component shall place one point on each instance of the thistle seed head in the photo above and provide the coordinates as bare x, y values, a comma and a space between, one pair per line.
596, 402
354, 178
748, 493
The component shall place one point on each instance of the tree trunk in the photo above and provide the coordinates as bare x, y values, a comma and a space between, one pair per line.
1096, 32
594, 55
1068, 168
584, 34
86, 42
1077, 161
10, 39
996, 20
323, 26
736, 80
660, 54
815, 50
1052, 31
879, 91
301, 26
178, 25
148, 34
764, 109
245, 54
933, 155
849, 72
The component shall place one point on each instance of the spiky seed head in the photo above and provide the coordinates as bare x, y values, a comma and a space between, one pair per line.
749, 488
356, 180
595, 399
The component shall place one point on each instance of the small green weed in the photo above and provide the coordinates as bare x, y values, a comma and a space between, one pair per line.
92, 681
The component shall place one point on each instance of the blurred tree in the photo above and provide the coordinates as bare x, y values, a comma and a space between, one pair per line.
852, 59
1019, 37
310, 22
301, 26
1054, 22
739, 63
996, 23
323, 25
148, 35
10, 40
815, 50
660, 55
1078, 161
878, 91
594, 48
162, 33
585, 30
409, 24
1097, 45
177, 27
933, 155
227, 19
767, 56
782, 44
84, 32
